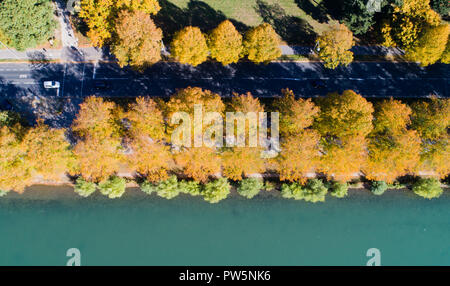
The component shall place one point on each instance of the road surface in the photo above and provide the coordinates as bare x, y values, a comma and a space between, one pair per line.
309, 79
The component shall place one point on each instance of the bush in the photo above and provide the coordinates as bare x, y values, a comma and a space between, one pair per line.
428, 188
192, 188
168, 188
250, 187
268, 186
339, 189
378, 187
216, 190
114, 187
313, 191
3, 193
148, 187
84, 188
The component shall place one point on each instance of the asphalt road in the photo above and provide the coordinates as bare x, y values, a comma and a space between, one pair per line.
371, 79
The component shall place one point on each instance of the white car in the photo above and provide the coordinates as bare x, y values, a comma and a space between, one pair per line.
51, 84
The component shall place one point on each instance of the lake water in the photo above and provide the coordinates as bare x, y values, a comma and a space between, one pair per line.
138, 230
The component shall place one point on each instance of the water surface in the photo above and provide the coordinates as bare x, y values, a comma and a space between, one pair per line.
139, 230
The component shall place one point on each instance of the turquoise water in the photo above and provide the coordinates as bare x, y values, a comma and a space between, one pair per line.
137, 230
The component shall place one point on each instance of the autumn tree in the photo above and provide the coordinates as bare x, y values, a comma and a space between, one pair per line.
262, 44
149, 158
101, 16
15, 174
295, 114
445, 58
98, 158
430, 45
299, 156
184, 101
394, 150
138, 41
96, 118
146, 119
198, 163
334, 46
247, 159
98, 150
48, 152
431, 119
344, 122
189, 46
344, 115
405, 24
225, 43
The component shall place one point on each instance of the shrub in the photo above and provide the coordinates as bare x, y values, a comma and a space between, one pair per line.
84, 188
378, 187
292, 191
428, 188
339, 189
168, 188
3, 193
250, 187
313, 191
148, 187
192, 188
268, 186
114, 187
216, 190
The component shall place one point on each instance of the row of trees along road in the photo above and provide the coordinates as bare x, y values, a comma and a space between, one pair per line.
339, 135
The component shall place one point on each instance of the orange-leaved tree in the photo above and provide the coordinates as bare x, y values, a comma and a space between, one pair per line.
98, 150
138, 41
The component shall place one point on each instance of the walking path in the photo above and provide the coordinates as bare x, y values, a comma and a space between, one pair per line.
70, 52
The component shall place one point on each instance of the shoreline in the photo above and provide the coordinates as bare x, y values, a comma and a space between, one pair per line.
65, 192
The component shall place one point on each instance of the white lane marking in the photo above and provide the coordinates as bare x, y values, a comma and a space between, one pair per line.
95, 70
23, 76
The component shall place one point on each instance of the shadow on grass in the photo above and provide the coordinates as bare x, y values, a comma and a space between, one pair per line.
292, 30
317, 12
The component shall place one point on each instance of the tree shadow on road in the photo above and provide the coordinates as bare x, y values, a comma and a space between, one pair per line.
172, 18
292, 30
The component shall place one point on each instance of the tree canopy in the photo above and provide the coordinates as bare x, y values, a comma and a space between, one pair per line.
138, 41
334, 46
189, 46
26, 23
225, 43
262, 44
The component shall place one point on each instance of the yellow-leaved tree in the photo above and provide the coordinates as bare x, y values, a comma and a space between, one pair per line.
334, 46
262, 44
199, 163
48, 152
225, 43
431, 119
189, 46
344, 122
430, 45
149, 154
244, 160
394, 150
